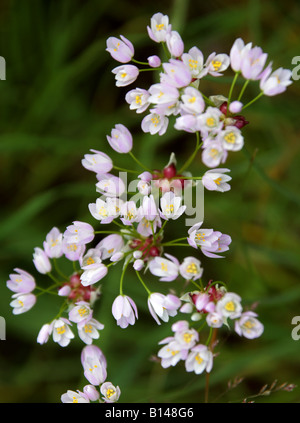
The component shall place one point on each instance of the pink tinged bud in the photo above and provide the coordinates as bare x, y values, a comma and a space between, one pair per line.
44, 334
175, 44
41, 261
120, 139
138, 264
237, 52
98, 162
154, 61
64, 291
21, 282
235, 107
22, 303
117, 256
91, 392
120, 50
125, 75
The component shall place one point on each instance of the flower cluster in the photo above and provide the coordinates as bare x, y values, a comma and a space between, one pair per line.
95, 371
138, 239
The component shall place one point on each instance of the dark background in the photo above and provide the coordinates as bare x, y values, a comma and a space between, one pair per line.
58, 101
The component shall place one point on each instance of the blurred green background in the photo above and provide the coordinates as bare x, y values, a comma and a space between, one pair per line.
58, 101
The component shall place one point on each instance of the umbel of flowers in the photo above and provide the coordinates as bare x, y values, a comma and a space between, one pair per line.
129, 230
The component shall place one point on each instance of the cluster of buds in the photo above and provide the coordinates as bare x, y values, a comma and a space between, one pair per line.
138, 239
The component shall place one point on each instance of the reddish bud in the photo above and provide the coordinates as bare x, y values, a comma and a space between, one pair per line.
223, 108
154, 251
170, 171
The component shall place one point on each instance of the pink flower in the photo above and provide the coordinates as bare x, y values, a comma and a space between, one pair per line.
53, 243
121, 50
124, 311
41, 261
120, 139
160, 27
125, 75
98, 162
162, 306
79, 233
176, 74
21, 282
174, 43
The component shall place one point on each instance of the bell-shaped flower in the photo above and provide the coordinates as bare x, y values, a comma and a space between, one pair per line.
98, 162
110, 245
220, 245
94, 269
252, 63
231, 138
171, 353
229, 306
62, 334
192, 101
88, 330
79, 233
273, 83
199, 237
125, 75
171, 207
166, 269
248, 326
53, 243
110, 392
73, 251
138, 99
176, 74
80, 312
129, 213
162, 306
237, 52
91, 392
200, 359
121, 50
155, 124
110, 185
214, 154
74, 397
195, 62
22, 303
190, 269
124, 311
21, 282
216, 180
94, 370
120, 139
217, 63
159, 27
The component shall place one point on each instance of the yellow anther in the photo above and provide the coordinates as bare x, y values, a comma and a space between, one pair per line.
230, 137
230, 306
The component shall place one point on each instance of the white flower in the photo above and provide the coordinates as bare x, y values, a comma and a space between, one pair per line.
129, 213
110, 392
155, 123
199, 360
214, 320
88, 330
171, 207
62, 334
53, 243
166, 269
80, 312
217, 63
22, 303
171, 353
191, 269
138, 100
110, 245
192, 101
194, 60
216, 180
214, 154
125, 74
248, 326
160, 27
231, 138
163, 306
229, 306
105, 211
74, 397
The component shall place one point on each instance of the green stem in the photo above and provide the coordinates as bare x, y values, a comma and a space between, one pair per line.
252, 101
176, 240
139, 63
150, 69
107, 232
121, 169
122, 276
57, 282
58, 270
243, 89
231, 90
193, 155
167, 244
143, 283
138, 162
